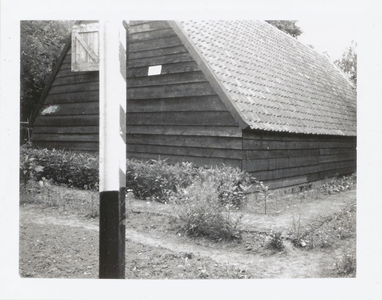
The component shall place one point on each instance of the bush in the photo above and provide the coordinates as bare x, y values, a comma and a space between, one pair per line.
231, 183
156, 179
29, 167
201, 213
73, 169
276, 242
339, 184
325, 231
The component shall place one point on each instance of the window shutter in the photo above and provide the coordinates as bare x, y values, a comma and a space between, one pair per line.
85, 46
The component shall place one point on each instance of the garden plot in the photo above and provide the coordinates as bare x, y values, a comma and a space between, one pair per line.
305, 237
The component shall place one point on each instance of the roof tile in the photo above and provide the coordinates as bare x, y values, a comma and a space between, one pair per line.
275, 82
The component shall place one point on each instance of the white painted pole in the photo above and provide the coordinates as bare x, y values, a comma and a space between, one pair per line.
112, 149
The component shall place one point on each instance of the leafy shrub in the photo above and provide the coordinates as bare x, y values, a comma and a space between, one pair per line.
156, 179
339, 184
231, 183
296, 232
201, 213
325, 231
29, 167
73, 169
347, 265
276, 241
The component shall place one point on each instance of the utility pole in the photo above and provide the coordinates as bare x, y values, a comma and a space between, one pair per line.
112, 148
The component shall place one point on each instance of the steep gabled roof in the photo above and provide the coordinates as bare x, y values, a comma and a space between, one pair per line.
269, 80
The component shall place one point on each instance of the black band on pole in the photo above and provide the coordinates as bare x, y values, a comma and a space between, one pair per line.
112, 234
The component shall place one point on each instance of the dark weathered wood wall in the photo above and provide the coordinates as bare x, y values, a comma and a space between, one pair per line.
74, 96
178, 116
175, 115
281, 159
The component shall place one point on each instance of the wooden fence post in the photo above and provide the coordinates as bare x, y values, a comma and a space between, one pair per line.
112, 149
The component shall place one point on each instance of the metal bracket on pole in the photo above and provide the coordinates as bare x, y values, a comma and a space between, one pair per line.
112, 149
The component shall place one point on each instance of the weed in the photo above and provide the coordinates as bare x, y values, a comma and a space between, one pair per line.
201, 213
231, 183
276, 242
29, 168
325, 231
46, 194
156, 180
347, 265
297, 232
203, 273
93, 207
338, 185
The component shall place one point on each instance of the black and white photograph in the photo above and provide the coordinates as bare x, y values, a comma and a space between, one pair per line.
195, 155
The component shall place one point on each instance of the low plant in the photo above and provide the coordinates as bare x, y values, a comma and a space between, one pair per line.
297, 232
29, 167
276, 241
201, 212
156, 179
231, 183
347, 265
72, 169
74, 201
340, 184
325, 231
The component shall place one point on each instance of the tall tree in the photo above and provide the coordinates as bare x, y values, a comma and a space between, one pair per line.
288, 27
41, 44
348, 62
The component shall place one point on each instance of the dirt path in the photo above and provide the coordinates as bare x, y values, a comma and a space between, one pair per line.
291, 263
282, 221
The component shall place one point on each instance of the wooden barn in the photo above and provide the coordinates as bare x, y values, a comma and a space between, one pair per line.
241, 93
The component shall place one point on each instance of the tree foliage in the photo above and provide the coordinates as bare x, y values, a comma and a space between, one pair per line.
348, 62
288, 27
41, 45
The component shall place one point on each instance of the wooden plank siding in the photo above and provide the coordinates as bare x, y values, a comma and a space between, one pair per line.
181, 115
176, 115
69, 117
281, 159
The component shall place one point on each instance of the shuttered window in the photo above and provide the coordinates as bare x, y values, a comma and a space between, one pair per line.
85, 47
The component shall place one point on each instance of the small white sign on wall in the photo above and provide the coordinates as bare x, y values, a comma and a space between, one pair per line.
155, 70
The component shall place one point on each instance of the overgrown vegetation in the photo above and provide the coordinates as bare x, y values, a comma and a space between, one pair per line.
41, 43
72, 169
207, 200
276, 242
347, 265
156, 179
153, 180
29, 168
339, 184
72, 201
201, 212
205, 197
324, 232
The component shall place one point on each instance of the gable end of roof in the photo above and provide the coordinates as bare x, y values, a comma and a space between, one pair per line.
210, 75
